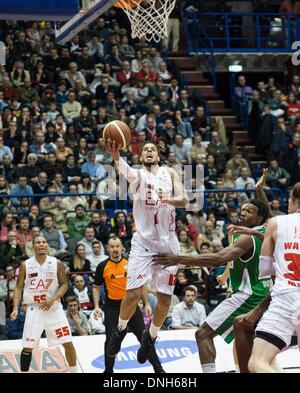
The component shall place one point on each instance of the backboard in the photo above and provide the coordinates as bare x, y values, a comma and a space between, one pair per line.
82, 19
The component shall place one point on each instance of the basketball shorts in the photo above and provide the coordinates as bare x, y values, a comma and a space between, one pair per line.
222, 317
53, 321
141, 270
282, 319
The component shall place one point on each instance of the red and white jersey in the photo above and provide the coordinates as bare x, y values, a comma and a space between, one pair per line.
155, 221
41, 281
287, 253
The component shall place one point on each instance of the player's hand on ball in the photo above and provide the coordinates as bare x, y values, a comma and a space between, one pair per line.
46, 305
14, 315
111, 146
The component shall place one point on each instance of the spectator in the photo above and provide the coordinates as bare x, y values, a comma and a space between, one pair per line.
69, 203
94, 170
61, 150
11, 283
72, 108
24, 234
21, 188
236, 164
188, 314
183, 224
218, 150
3, 296
10, 251
228, 179
83, 294
244, 181
101, 225
181, 151
71, 171
4, 150
87, 240
32, 169
54, 237
146, 74
78, 322
280, 141
79, 263
275, 208
173, 28
122, 229
15, 327
97, 256
277, 177
294, 153
186, 245
197, 147
40, 147
29, 251
77, 224
40, 187
243, 93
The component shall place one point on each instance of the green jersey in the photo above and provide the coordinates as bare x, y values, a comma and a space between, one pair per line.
244, 273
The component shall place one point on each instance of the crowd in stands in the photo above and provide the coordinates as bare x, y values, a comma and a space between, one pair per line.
54, 104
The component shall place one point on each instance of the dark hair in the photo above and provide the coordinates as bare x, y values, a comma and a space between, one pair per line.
183, 219
263, 209
72, 299
206, 244
189, 288
79, 205
295, 193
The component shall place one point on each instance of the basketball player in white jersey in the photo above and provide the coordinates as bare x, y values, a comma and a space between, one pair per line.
157, 191
43, 281
280, 254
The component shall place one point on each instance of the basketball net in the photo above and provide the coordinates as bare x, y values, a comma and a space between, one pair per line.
148, 18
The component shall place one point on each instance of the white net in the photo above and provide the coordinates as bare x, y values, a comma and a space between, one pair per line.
148, 18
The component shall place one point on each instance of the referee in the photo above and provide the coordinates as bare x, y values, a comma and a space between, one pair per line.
113, 273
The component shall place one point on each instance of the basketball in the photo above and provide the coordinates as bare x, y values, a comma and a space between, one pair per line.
119, 132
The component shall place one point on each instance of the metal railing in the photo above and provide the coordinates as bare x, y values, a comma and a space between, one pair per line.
241, 32
207, 49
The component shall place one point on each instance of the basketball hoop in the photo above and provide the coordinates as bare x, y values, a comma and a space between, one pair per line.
148, 18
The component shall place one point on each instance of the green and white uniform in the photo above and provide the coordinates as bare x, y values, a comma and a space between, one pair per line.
247, 291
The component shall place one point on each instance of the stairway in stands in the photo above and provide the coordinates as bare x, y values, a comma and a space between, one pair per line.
189, 66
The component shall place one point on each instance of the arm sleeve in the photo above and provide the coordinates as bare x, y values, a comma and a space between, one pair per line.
99, 274
124, 169
266, 266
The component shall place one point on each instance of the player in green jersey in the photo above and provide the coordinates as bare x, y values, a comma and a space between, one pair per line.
248, 289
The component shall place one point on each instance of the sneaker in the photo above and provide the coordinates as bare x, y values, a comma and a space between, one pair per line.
115, 342
147, 343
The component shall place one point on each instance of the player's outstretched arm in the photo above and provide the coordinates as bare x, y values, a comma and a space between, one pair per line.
260, 193
18, 291
242, 246
130, 174
245, 231
63, 287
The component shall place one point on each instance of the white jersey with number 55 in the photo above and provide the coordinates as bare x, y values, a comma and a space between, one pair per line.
41, 281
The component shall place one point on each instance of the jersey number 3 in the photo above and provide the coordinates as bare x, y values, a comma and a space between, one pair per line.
294, 266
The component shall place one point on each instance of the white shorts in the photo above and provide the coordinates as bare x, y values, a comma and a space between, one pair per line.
282, 319
141, 269
53, 321
222, 317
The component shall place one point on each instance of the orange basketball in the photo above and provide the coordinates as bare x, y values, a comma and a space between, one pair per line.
119, 132
129, 3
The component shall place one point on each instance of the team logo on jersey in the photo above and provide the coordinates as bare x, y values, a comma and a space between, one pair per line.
33, 275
